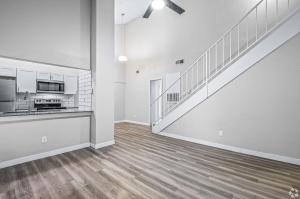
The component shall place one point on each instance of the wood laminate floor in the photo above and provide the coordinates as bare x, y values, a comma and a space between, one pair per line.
144, 165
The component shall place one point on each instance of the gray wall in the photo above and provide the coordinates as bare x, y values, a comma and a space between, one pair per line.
258, 111
50, 31
156, 43
21, 139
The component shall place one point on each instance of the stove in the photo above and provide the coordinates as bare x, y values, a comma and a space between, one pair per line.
46, 104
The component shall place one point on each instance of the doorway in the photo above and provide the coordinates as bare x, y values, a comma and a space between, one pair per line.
155, 108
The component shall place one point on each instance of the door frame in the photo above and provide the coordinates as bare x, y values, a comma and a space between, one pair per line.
149, 98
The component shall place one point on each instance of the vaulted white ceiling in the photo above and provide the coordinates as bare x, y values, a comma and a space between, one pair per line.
132, 9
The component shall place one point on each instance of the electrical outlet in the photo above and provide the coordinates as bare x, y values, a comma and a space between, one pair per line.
221, 133
44, 139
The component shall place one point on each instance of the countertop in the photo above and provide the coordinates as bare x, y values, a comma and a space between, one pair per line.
44, 112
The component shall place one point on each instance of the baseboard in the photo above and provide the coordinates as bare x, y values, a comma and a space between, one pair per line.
133, 122
101, 145
42, 155
119, 121
53, 153
236, 149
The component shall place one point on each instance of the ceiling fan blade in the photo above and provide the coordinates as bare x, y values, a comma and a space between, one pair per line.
174, 7
148, 12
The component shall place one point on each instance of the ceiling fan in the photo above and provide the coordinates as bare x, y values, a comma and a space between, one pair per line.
160, 4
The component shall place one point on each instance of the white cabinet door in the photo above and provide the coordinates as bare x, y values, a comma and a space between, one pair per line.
71, 82
7, 72
57, 77
26, 81
43, 75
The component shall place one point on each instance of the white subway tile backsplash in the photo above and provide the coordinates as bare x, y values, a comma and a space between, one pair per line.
85, 90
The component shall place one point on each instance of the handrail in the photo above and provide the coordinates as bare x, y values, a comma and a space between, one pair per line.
215, 43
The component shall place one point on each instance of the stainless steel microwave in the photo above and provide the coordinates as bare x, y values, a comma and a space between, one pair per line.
47, 86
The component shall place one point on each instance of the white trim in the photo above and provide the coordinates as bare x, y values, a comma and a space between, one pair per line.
42, 155
235, 149
133, 122
101, 145
119, 121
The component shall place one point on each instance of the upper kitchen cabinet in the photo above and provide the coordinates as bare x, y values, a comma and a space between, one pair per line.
71, 83
57, 77
50, 76
7, 72
43, 75
26, 81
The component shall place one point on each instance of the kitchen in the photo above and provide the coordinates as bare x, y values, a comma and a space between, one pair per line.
39, 104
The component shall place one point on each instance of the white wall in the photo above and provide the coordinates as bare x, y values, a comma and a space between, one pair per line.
259, 110
48, 31
156, 43
119, 84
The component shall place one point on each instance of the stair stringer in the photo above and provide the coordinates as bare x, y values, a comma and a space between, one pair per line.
281, 34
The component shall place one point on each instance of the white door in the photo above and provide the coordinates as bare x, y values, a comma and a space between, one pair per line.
156, 105
26, 81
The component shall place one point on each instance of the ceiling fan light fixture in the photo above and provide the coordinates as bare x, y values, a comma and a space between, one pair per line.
123, 58
158, 4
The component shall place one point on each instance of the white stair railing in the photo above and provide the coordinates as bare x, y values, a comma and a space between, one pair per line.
262, 19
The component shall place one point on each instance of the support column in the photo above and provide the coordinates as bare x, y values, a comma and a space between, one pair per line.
102, 62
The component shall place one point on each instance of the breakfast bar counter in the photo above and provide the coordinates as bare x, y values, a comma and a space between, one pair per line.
29, 136
43, 114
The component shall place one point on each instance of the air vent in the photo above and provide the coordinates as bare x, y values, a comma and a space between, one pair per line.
180, 61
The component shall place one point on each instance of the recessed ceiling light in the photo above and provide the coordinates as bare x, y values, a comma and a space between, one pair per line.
158, 4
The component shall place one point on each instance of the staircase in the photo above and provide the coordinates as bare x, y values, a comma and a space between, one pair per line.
268, 25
